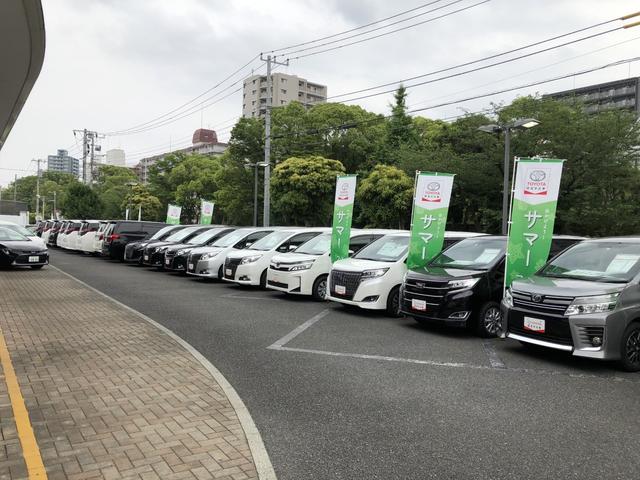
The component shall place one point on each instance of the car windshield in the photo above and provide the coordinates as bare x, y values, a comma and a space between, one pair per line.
162, 232
390, 248
472, 253
231, 239
17, 228
204, 237
271, 241
181, 235
614, 262
316, 246
10, 235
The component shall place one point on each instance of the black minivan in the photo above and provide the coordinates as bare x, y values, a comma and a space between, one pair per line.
463, 285
122, 232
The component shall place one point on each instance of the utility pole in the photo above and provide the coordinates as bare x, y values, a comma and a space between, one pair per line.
38, 187
55, 213
267, 136
15, 187
88, 153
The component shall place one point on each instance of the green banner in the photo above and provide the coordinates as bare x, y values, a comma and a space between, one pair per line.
431, 198
342, 216
173, 214
533, 213
206, 212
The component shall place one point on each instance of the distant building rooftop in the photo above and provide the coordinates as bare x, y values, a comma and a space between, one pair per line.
616, 95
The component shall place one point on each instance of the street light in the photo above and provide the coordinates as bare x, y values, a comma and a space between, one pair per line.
255, 166
519, 124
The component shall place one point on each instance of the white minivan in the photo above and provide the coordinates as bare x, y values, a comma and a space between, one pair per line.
208, 262
88, 236
371, 278
250, 266
305, 270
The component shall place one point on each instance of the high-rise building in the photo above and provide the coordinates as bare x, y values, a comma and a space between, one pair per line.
285, 88
619, 94
62, 162
204, 142
116, 157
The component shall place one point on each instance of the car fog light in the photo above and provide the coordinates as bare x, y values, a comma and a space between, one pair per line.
596, 341
459, 315
371, 298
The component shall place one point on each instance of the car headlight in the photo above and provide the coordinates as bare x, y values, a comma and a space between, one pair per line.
376, 272
597, 304
250, 259
301, 266
182, 252
463, 283
207, 256
508, 298
163, 249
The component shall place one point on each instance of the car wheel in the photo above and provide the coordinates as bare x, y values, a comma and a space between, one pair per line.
220, 273
630, 349
489, 321
319, 289
393, 302
263, 280
36, 267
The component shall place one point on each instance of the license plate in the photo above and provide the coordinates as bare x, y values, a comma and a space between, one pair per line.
534, 324
191, 266
418, 304
167, 261
228, 272
146, 257
35, 259
341, 290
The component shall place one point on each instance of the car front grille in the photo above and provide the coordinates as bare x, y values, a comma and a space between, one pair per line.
431, 292
277, 284
546, 304
349, 280
231, 264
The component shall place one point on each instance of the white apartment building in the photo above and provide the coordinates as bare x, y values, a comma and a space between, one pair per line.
116, 157
285, 88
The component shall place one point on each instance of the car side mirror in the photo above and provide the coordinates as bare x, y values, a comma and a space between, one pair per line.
248, 244
291, 248
351, 252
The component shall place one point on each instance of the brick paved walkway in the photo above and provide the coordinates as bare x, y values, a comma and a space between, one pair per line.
108, 394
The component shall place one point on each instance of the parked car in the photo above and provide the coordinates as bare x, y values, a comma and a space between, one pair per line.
175, 256
133, 251
17, 250
87, 235
47, 229
52, 238
250, 265
305, 270
463, 286
67, 238
585, 301
371, 279
208, 262
25, 232
153, 253
123, 232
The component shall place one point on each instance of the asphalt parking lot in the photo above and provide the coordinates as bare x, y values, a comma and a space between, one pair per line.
340, 393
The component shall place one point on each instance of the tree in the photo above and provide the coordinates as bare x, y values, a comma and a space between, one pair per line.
140, 197
302, 190
384, 197
82, 202
400, 129
112, 184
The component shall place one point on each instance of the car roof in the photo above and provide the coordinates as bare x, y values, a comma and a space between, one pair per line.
624, 239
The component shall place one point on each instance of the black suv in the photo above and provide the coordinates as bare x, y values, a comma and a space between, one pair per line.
133, 250
123, 232
463, 285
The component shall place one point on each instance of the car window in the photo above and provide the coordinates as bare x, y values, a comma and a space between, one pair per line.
295, 241
205, 237
270, 241
475, 253
11, 235
128, 227
230, 239
163, 232
182, 234
319, 245
253, 238
359, 242
19, 229
389, 248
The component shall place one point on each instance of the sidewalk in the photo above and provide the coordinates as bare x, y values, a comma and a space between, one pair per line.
108, 394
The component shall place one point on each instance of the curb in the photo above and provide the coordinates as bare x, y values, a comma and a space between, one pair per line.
259, 453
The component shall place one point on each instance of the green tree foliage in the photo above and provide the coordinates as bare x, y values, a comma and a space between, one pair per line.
140, 196
112, 184
82, 202
383, 198
303, 189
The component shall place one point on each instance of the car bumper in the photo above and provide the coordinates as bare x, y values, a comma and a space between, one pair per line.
296, 283
455, 310
370, 295
205, 268
244, 275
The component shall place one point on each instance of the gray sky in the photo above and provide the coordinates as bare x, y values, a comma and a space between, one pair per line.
113, 64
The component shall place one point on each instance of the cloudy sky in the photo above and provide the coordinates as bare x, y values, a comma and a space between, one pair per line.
114, 64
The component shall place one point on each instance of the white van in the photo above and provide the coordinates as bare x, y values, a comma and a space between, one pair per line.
208, 262
371, 279
305, 270
88, 235
250, 266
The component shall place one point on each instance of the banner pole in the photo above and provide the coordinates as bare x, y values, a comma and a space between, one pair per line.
516, 161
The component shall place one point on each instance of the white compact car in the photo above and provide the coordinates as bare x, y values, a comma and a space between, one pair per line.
208, 262
250, 266
25, 232
371, 279
305, 270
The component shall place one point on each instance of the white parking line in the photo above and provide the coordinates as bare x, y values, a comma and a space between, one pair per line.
297, 331
490, 350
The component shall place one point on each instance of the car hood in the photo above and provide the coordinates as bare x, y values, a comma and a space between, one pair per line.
38, 241
158, 244
358, 265
289, 258
200, 250
246, 253
179, 246
565, 287
23, 246
440, 273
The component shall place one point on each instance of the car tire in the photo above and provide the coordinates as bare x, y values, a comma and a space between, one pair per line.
319, 289
220, 274
489, 320
36, 267
630, 349
393, 302
263, 280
